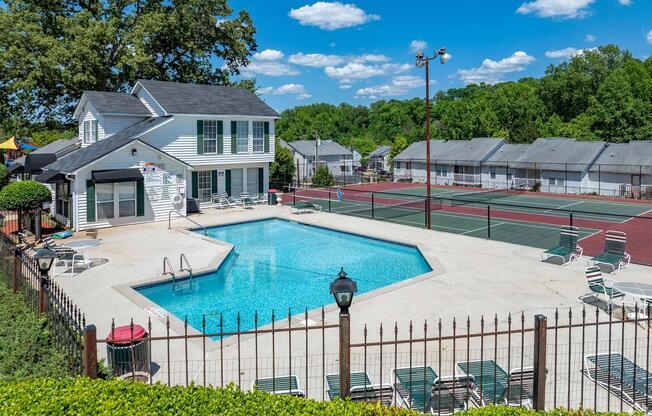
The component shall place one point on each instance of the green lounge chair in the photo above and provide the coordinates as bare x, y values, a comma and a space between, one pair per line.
362, 390
495, 386
305, 207
414, 386
599, 285
614, 254
567, 247
279, 385
621, 377
451, 394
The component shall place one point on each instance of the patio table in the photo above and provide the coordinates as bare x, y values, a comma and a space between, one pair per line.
85, 245
634, 289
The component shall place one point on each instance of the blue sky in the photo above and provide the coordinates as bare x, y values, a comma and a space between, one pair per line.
363, 50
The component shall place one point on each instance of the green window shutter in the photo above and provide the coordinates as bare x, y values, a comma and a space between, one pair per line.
214, 181
220, 137
200, 137
90, 201
195, 185
266, 137
140, 198
261, 178
234, 137
227, 178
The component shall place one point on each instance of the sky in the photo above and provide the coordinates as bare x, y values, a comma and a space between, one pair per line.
362, 51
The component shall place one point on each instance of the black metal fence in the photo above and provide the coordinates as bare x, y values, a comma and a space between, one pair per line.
65, 321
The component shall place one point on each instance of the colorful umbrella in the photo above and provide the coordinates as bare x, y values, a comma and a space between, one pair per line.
10, 144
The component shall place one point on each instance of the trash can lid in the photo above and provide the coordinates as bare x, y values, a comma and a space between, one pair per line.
123, 335
272, 190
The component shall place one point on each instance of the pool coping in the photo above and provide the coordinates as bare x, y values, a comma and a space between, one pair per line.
177, 325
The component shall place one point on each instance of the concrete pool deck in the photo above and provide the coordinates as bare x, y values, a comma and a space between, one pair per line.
471, 276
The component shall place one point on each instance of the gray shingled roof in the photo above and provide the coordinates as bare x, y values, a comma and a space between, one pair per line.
381, 151
634, 157
557, 153
59, 147
327, 148
462, 152
116, 103
509, 155
88, 154
178, 98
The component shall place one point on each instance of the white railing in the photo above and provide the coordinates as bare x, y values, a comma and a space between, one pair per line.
467, 178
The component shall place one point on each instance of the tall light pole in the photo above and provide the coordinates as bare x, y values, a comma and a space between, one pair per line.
423, 61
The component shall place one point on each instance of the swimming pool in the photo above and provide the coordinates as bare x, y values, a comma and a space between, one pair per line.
281, 265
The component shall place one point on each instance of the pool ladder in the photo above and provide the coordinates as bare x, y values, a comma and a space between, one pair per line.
184, 266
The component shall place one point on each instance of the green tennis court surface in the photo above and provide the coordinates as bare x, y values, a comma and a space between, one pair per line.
413, 213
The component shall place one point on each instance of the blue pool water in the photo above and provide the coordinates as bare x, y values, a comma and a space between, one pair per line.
280, 265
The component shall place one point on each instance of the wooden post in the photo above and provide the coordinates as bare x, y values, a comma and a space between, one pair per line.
345, 355
90, 351
17, 269
37, 223
539, 393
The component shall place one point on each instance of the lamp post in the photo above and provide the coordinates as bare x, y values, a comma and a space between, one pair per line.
343, 289
45, 258
421, 61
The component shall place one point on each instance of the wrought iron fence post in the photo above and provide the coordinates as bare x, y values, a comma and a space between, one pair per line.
43, 284
17, 267
345, 354
90, 351
539, 393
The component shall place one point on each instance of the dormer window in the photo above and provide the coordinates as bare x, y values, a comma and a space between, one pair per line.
90, 131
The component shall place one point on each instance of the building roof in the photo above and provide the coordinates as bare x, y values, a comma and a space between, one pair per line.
326, 148
115, 103
88, 154
381, 151
180, 98
634, 157
461, 152
59, 147
558, 153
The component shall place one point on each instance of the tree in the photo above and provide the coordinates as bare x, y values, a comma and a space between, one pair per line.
53, 50
323, 177
24, 195
281, 171
4, 176
398, 146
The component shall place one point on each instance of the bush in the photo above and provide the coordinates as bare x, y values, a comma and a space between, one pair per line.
323, 177
26, 349
24, 195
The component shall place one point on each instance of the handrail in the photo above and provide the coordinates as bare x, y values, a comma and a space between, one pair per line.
167, 265
186, 269
186, 217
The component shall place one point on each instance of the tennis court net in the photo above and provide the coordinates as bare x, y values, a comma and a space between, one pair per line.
466, 198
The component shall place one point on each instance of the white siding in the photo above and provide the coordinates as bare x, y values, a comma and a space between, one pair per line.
149, 102
113, 124
155, 210
221, 175
89, 113
179, 139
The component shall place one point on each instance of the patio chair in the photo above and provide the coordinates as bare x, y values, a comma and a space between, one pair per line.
492, 383
227, 200
622, 378
66, 256
520, 388
218, 201
246, 201
288, 385
451, 394
414, 386
599, 285
614, 254
362, 390
263, 198
567, 247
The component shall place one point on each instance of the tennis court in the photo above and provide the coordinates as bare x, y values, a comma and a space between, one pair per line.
503, 215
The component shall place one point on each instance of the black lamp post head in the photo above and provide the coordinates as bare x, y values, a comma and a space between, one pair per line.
343, 289
45, 258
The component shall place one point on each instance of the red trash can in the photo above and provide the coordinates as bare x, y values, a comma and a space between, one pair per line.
128, 350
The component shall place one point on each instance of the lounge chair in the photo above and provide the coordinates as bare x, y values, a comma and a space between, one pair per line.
227, 200
599, 285
66, 256
567, 247
362, 390
218, 201
495, 386
614, 254
246, 201
414, 386
621, 377
451, 394
279, 385
305, 207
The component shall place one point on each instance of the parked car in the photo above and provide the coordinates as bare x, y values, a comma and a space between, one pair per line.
359, 169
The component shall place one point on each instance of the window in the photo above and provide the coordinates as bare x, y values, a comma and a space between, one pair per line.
259, 136
63, 195
204, 185
104, 200
90, 131
210, 136
236, 183
243, 136
252, 181
492, 173
127, 199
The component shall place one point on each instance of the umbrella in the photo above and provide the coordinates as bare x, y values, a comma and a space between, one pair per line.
10, 144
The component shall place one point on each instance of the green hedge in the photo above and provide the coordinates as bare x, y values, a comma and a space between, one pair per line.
82, 396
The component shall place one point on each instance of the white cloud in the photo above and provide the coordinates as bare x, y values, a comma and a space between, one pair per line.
561, 53
268, 55
269, 68
371, 57
294, 89
649, 37
400, 85
625, 2
357, 70
418, 45
564, 9
590, 38
492, 71
315, 60
331, 15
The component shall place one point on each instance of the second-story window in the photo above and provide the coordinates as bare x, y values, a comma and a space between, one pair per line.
90, 131
210, 136
243, 136
259, 136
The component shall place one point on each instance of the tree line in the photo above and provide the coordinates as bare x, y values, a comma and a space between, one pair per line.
602, 94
